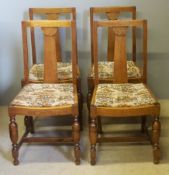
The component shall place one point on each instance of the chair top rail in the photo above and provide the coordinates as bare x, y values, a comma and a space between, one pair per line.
113, 9
47, 23
53, 10
120, 23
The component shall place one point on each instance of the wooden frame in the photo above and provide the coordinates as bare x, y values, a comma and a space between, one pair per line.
120, 28
112, 13
53, 14
135, 24
50, 76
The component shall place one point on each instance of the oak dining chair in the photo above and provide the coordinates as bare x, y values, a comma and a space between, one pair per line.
119, 97
36, 70
136, 72
51, 97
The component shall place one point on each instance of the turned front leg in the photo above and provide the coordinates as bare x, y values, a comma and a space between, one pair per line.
76, 138
156, 128
13, 130
93, 140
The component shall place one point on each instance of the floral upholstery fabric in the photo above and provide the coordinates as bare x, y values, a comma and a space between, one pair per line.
45, 95
121, 95
106, 70
36, 72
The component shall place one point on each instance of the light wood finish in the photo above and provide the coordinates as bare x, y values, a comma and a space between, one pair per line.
112, 13
50, 76
153, 110
51, 14
110, 48
50, 54
54, 14
120, 57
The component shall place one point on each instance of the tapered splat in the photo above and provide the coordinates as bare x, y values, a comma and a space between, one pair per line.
50, 64
120, 57
111, 39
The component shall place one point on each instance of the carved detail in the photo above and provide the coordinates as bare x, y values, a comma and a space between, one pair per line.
48, 31
156, 128
13, 129
52, 16
113, 16
76, 138
120, 31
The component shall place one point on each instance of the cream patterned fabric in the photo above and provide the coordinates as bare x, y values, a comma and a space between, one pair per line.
45, 95
36, 72
121, 95
106, 70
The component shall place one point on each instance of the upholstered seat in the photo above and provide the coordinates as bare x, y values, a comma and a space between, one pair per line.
123, 95
36, 72
41, 95
106, 70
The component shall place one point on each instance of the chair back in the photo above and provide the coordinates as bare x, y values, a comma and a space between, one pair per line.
50, 14
113, 13
120, 28
48, 28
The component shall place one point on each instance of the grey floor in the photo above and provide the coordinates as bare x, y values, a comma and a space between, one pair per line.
112, 159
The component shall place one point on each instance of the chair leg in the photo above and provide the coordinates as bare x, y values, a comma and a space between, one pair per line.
76, 138
143, 124
28, 120
80, 98
89, 93
100, 131
89, 97
13, 130
156, 128
32, 130
93, 140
